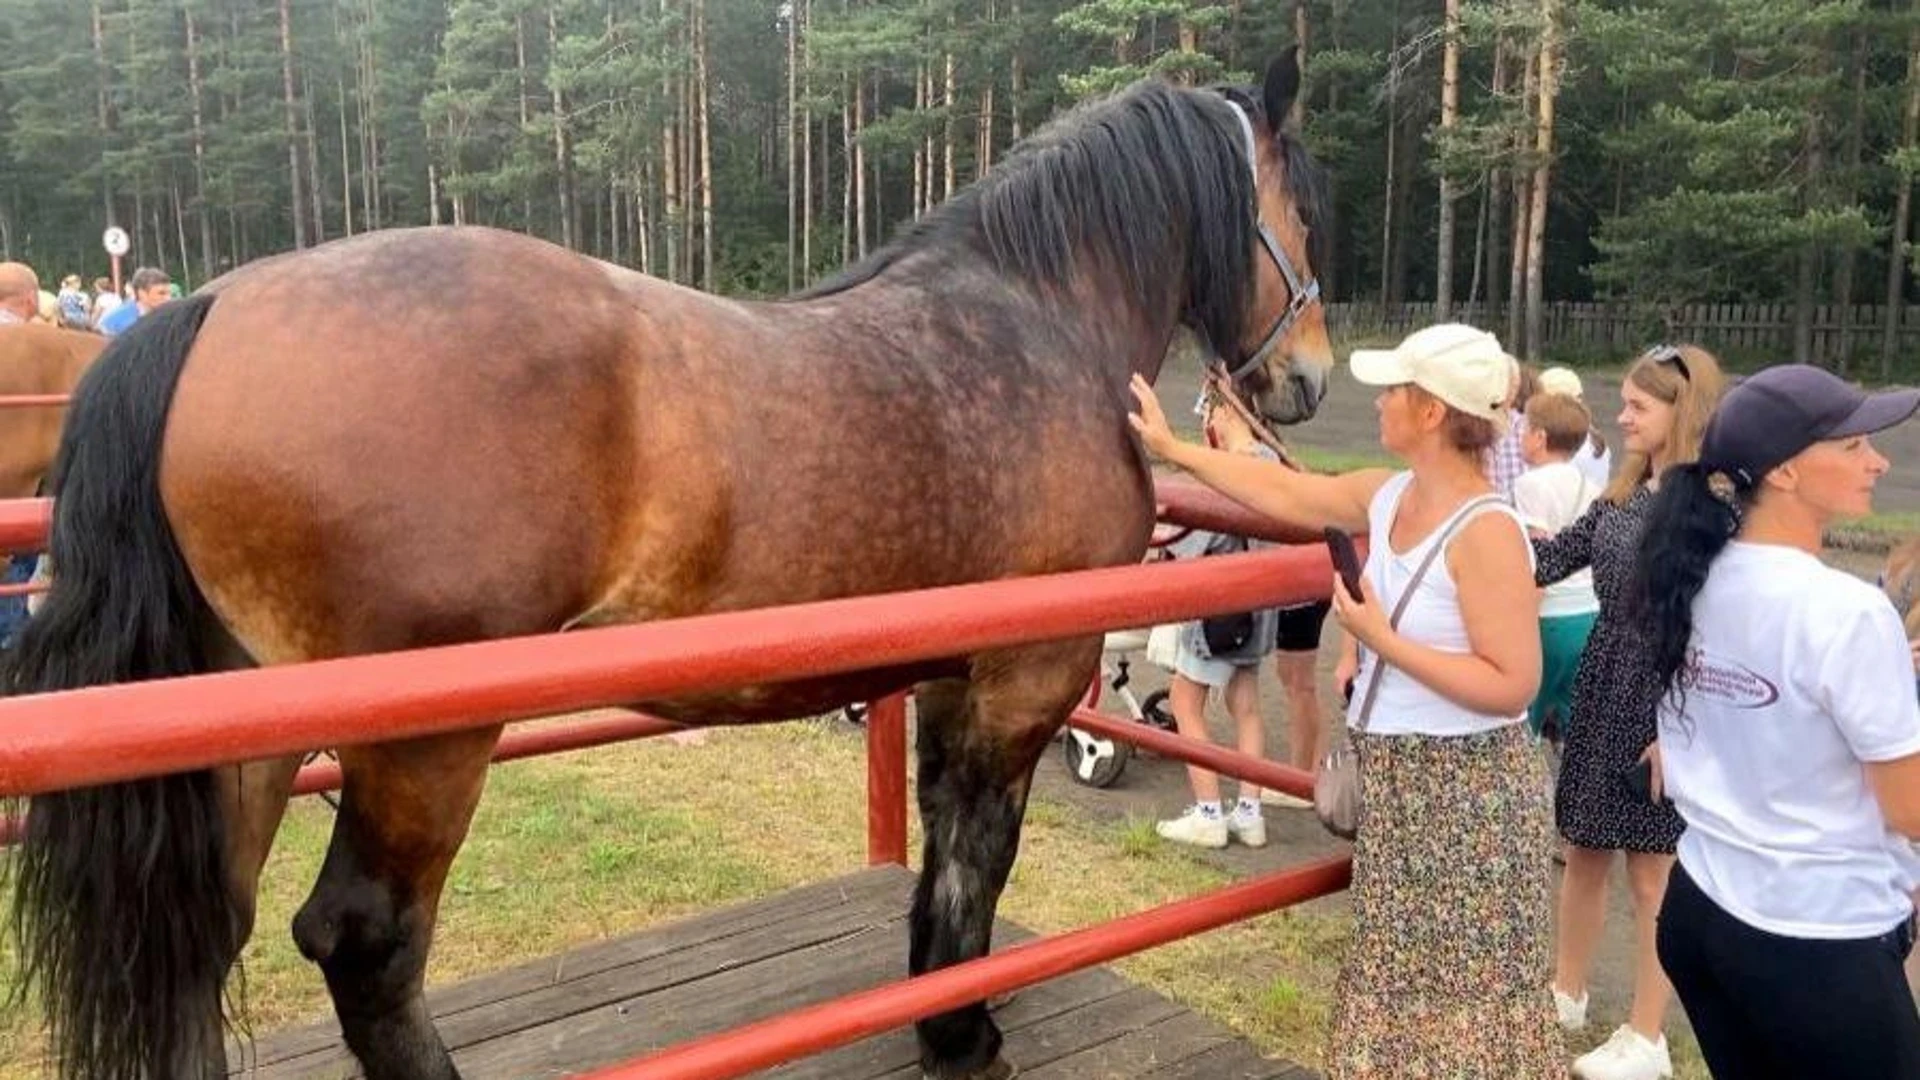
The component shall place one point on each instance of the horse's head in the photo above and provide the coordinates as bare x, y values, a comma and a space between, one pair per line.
1283, 357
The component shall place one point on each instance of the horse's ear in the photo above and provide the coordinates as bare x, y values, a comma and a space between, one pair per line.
1282, 86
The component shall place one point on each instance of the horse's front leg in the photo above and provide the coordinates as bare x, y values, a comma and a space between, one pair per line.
978, 742
369, 921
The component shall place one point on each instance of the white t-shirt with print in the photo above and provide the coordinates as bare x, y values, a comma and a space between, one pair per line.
1550, 498
1801, 673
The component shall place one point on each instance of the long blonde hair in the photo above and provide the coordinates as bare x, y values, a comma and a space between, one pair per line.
1686, 377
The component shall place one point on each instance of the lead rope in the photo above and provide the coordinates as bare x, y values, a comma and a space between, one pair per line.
1220, 388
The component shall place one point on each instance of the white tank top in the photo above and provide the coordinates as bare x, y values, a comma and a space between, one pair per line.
1404, 706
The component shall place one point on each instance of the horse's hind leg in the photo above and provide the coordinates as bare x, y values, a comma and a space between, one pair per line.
978, 743
369, 922
253, 798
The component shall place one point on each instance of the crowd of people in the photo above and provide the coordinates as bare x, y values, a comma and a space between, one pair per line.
1734, 721
102, 309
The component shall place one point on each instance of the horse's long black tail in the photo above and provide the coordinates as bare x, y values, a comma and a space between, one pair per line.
122, 913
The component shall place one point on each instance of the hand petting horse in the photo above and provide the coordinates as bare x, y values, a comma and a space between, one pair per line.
249, 477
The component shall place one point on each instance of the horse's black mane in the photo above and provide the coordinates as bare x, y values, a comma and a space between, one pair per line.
1147, 182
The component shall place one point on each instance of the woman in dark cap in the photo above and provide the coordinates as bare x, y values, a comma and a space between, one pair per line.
1789, 740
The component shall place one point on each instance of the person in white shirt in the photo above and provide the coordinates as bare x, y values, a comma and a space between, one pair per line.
1789, 740
1595, 457
1552, 494
1446, 970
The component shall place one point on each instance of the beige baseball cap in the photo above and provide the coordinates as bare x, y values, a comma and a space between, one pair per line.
1459, 364
1559, 380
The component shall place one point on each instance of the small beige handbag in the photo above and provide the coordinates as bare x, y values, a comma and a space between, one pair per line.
1337, 799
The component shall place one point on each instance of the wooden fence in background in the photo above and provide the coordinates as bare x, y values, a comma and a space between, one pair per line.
1621, 328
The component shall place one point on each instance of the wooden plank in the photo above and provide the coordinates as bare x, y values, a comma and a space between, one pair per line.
1136, 1048
1230, 1061
1033, 1024
1067, 1045
616, 1000
583, 977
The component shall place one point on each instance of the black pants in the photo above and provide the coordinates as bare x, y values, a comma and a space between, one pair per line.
1765, 1006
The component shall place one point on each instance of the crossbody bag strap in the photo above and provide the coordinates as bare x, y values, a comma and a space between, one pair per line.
1465, 514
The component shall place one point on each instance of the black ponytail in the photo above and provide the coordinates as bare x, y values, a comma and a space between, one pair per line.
1694, 517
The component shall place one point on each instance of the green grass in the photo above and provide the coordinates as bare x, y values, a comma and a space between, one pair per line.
1340, 461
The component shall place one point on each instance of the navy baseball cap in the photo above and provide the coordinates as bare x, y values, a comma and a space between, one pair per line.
1769, 417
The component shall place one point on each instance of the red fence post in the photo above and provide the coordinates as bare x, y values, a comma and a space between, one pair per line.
887, 781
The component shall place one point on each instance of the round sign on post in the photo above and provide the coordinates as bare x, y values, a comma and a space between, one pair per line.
117, 243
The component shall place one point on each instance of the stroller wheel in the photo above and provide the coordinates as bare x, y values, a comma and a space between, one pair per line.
1154, 711
1094, 761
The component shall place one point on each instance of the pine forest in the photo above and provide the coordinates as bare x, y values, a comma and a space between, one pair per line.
1504, 153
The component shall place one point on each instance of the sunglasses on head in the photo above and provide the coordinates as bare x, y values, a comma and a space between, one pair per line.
1669, 354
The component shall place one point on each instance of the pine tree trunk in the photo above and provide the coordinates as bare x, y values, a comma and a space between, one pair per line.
1480, 219
1449, 119
180, 234
859, 167
1387, 198
1542, 174
371, 196
101, 112
1297, 114
314, 202
923, 148
346, 163
1807, 259
806, 151
1522, 215
642, 222
706, 146
1016, 83
1856, 133
946, 99
196, 90
848, 172
292, 114
562, 150
1897, 245
793, 180
524, 79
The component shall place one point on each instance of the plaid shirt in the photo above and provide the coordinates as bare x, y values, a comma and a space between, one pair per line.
1502, 460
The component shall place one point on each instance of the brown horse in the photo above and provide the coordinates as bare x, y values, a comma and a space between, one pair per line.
320, 456
37, 359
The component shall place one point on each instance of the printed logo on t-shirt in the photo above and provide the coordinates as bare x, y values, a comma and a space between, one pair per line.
1726, 681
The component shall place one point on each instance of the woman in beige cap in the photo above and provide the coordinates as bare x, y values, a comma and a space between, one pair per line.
1446, 972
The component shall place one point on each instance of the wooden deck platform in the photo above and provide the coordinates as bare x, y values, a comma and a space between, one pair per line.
618, 999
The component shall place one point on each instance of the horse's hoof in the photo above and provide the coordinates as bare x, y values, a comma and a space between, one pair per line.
998, 1069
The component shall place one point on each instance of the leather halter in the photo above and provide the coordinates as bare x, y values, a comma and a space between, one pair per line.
1302, 291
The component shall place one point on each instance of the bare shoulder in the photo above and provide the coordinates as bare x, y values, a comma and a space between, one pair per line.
1493, 542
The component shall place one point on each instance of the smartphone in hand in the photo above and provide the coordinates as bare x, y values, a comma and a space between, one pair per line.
1346, 560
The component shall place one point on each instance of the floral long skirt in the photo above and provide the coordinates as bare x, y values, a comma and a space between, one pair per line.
1447, 976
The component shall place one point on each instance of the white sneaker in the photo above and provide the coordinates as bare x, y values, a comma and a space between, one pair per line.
1196, 828
1627, 1055
1573, 1011
1249, 829
1284, 801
